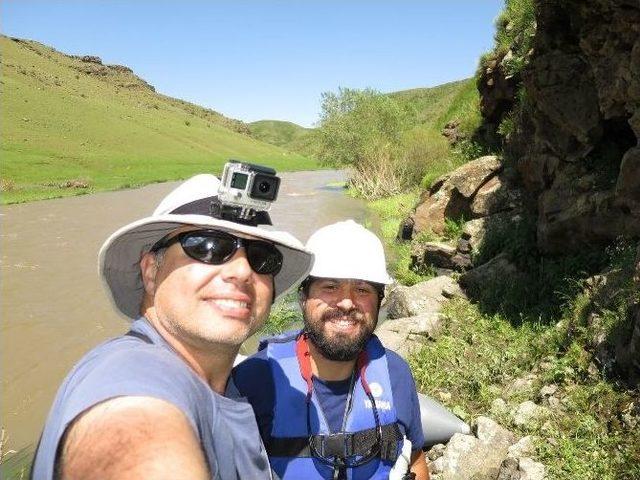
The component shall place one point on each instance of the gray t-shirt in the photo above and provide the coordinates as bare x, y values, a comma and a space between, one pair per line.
143, 364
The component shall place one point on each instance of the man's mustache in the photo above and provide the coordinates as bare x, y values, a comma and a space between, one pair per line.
335, 313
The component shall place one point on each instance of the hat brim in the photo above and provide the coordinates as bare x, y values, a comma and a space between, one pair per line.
120, 255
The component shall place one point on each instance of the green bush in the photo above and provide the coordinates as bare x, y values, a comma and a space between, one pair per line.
353, 120
283, 315
364, 129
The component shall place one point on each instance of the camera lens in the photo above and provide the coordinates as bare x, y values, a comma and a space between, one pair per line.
264, 187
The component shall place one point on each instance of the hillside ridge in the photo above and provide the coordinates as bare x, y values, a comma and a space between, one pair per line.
72, 125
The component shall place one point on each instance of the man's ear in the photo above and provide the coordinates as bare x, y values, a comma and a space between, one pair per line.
148, 270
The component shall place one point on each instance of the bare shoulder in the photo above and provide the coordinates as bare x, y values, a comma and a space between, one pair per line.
132, 437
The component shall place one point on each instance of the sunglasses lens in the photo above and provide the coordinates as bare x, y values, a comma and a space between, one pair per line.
263, 257
210, 248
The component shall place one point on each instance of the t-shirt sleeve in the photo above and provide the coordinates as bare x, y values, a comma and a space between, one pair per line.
406, 399
145, 371
254, 380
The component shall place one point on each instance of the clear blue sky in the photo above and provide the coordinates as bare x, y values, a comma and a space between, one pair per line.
256, 60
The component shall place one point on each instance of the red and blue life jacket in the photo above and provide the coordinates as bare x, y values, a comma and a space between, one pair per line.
300, 435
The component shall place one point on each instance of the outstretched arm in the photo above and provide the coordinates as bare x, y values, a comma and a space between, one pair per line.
131, 438
419, 465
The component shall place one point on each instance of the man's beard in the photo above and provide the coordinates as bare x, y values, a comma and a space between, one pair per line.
339, 347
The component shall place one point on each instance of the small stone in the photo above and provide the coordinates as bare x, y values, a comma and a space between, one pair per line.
464, 246
548, 390
547, 427
530, 469
630, 420
523, 448
521, 385
553, 402
509, 469
436, 451
436, 466
528, 412
490, 432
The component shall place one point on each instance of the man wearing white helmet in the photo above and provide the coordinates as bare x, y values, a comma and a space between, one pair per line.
330, 400
150, 404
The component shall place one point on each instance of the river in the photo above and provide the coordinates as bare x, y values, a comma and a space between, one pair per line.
53, 306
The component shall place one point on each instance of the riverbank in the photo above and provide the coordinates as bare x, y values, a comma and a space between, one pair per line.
485, 364
23, 181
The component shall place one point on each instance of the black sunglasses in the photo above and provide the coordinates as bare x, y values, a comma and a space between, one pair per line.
216, 247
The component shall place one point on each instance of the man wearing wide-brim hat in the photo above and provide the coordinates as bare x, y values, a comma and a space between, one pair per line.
150, 404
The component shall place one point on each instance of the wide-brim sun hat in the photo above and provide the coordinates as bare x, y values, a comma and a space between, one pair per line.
187, 205
348, 250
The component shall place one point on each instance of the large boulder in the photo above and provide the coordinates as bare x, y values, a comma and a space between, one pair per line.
475, 231
497, 195
497, 269
562, 88
422, 298
439, 255
407, 335
451, 196
478, 457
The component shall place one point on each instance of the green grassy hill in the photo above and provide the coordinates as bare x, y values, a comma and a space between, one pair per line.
435, 106
283, 134
71, 125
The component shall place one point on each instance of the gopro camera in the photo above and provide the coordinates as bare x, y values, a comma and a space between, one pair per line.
246, 193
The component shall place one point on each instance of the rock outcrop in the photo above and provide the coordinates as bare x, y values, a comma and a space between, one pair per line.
452, 195
575, 141
483, 193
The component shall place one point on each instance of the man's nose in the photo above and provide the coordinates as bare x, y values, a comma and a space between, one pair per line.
237, 267
346, 302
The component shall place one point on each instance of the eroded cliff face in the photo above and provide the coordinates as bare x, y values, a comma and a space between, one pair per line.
576, 121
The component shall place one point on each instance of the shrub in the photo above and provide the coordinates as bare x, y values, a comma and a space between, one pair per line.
364, 129
282, 316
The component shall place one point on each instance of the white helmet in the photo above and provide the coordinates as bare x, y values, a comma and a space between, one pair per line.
348, 250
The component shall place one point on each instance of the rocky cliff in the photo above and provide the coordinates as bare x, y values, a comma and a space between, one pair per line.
565, 111
571, 120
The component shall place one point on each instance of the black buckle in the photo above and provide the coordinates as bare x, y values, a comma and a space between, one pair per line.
336, 445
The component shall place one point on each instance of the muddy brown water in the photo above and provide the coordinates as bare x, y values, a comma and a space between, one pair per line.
53, 306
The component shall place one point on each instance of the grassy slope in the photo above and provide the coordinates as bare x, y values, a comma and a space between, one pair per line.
437, 105
59, 124
276, 132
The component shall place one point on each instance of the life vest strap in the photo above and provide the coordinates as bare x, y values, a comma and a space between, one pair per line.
339, 444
